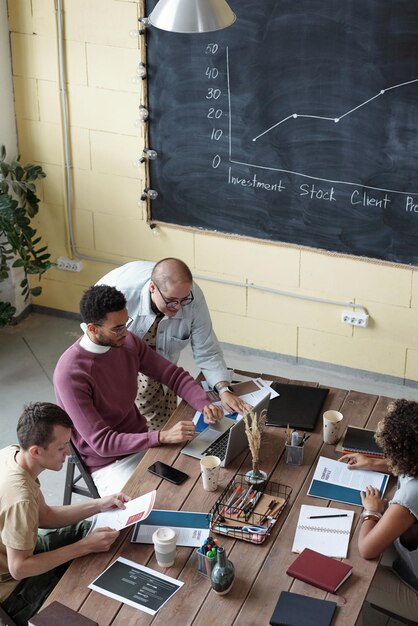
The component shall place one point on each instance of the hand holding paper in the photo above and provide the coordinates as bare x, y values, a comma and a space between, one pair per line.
135, 510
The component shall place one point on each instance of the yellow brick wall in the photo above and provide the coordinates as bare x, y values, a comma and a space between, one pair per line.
110, 220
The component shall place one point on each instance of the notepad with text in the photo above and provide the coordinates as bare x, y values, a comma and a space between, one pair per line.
319, 529
333, 480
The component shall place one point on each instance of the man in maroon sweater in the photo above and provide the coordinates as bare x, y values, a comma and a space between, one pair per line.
95, 381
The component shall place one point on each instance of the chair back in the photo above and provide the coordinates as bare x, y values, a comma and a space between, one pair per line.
76, 471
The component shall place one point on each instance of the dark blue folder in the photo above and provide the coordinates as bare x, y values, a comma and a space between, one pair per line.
292, 609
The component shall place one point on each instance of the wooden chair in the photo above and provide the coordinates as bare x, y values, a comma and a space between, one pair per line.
72, 479
398, 618
5, 619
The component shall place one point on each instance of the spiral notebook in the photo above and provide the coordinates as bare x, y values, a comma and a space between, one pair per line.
361, 440
324, 530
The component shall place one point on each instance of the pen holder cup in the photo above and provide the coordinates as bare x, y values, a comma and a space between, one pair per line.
205, 564
294, 454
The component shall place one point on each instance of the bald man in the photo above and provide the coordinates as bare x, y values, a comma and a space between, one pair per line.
169, 311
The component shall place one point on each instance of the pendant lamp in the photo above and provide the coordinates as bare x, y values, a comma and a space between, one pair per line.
191, 16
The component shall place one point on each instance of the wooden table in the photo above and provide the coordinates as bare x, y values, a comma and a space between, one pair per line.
260, 569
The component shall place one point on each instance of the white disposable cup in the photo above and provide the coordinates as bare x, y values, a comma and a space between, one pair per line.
332, 421
209, 469
164, 540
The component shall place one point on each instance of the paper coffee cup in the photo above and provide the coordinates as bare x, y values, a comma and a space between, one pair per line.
332, 421
164, 540
209, 469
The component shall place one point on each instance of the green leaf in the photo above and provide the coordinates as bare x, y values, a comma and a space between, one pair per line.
19, 172
18, 263
2, 152
36, 291
4, 168
7, 312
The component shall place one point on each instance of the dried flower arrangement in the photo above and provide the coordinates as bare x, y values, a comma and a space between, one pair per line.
254, 428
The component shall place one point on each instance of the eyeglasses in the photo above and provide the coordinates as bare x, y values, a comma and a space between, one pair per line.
174, 302
120, 329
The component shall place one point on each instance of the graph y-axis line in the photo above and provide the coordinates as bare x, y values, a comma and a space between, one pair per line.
335, 119
229, 103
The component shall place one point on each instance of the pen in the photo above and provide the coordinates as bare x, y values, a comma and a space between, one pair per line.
323, 516
304, 438
294, 439
259, 530
268, 510
275, 509
232, 498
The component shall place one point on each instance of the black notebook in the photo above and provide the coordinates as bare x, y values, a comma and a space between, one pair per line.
297, 405
361, 440
292, 609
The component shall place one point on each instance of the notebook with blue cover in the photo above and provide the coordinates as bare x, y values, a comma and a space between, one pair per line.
292, 609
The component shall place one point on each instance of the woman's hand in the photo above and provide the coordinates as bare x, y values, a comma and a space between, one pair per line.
371, 499
355, 460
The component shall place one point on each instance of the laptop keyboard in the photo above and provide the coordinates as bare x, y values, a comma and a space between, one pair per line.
218, 447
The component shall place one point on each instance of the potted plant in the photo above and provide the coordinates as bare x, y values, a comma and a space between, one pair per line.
20, 246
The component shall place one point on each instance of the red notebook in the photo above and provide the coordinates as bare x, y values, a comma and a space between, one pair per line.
319, 570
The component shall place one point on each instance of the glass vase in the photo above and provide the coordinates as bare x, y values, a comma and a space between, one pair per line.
256, 476
223, 573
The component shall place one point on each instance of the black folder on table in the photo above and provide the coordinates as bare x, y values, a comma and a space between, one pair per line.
297, 405
292, 609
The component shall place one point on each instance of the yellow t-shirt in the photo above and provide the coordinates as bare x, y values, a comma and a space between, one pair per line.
19, 513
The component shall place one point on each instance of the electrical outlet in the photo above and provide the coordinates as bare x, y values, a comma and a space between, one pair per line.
355, 319
69, 265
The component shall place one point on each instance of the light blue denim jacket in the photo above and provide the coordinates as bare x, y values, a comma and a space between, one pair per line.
191, 323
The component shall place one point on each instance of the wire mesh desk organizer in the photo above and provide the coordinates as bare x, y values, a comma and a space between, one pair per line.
249, 512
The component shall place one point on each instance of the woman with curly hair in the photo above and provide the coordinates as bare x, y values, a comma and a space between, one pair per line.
394, 588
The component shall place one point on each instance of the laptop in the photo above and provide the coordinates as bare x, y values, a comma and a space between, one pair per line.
226, 439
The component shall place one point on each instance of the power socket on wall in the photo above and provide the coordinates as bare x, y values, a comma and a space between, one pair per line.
69, 265
355, 319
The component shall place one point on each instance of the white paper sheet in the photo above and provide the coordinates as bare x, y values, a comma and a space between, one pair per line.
135, 510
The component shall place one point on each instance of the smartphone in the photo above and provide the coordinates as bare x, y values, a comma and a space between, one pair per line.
171, 474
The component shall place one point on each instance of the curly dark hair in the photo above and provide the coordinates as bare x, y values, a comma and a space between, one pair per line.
98, 301
397, 435
36, 424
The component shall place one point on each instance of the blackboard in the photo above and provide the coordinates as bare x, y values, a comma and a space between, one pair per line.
298, 124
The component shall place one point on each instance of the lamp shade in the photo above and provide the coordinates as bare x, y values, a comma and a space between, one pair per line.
191, 16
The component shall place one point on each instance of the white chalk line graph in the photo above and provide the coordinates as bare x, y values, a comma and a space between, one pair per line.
335, 119
294, 116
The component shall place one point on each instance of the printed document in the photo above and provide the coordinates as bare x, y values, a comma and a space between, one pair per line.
135, 510
333, 480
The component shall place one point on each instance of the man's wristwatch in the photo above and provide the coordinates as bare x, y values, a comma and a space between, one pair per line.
370, 515
223, 386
